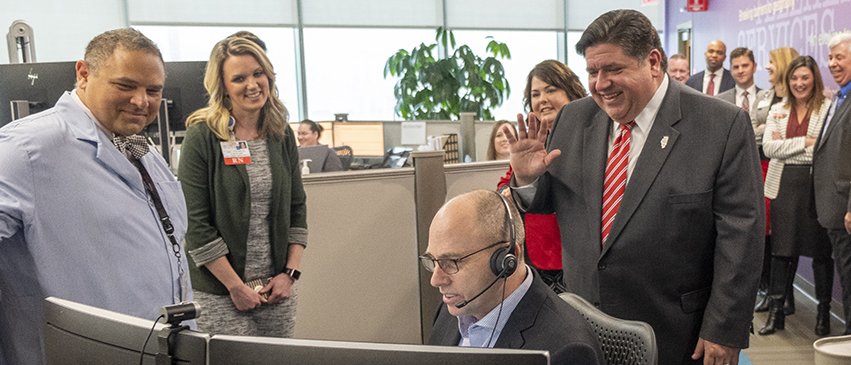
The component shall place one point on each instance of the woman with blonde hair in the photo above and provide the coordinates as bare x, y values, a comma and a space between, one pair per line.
246, 206
790, 135
778, 62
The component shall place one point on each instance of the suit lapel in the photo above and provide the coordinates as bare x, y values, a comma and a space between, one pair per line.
524, 315
594, 168
653, 156
838, 114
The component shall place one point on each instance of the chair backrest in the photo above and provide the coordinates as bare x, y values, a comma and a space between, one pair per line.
623, 342
346, 156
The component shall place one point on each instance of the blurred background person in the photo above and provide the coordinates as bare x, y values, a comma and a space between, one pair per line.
247, 221
678, 68
498, 142
790, 134
715, 79
549, 86
778, 62
322, 159
742, 66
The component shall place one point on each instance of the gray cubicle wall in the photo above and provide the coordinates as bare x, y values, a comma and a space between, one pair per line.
360, 266
462, 178
362, 281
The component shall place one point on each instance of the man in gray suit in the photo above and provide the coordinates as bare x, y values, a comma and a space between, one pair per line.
471, 244
743, 67
668, 229
832, 169
716, 79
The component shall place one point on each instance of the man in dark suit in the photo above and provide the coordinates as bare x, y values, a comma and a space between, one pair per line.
470, 246
832, 169
743, 67
669, 232
716, 79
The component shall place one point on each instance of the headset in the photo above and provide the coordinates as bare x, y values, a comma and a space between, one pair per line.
503, 261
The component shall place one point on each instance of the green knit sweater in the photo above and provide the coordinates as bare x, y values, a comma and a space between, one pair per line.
218, 202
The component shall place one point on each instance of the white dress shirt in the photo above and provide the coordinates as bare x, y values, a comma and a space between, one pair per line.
751, 96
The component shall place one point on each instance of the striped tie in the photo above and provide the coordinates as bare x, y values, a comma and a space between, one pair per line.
615, 182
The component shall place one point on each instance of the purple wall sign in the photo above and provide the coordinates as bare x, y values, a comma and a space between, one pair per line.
762, 25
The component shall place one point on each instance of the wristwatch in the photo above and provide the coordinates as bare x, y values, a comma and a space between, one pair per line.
295, 274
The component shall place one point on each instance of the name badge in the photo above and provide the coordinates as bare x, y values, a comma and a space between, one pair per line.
764, 103
236, 152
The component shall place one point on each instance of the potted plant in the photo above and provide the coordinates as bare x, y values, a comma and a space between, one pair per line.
430, 88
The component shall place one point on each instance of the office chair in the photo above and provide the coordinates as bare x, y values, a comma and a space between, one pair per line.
346, 156
624, 342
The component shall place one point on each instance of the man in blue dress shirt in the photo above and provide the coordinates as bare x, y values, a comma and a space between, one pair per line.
76, 221
490, 301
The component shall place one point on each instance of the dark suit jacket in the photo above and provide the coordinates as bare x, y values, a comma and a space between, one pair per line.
832, 169
683, 252
541, 321
727, 81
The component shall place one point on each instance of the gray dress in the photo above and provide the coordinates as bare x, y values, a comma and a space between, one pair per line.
219, 314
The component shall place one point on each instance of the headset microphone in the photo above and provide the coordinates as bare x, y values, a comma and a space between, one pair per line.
464, 303
503, 262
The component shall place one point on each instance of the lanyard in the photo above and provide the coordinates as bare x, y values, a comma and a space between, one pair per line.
165, 220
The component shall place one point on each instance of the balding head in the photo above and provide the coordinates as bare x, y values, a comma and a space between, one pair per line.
469, 229
716, 53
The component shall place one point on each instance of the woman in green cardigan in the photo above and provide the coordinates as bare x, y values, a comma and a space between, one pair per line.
244, 195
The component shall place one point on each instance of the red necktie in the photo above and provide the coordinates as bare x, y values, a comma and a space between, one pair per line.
746, 105
615, 182
710, 89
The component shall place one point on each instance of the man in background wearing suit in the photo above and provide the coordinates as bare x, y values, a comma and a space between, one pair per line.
832, 168
658, 194
743, 67
471, 244
715, 79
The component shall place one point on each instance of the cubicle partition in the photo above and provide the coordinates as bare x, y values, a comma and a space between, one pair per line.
362, 281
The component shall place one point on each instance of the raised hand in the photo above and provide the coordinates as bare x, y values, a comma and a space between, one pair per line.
529, 157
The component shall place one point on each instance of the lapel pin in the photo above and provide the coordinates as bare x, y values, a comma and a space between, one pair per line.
664, 142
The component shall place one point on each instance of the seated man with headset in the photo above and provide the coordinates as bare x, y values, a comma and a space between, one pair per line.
491, 298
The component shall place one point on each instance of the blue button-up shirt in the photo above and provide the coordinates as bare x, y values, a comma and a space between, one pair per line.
76, 223
478, 333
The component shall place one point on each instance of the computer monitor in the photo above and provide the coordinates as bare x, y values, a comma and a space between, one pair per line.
184, 90
75, 333
365, 138
36, 87
265, 350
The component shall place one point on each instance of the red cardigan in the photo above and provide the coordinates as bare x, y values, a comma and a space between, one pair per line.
543, 238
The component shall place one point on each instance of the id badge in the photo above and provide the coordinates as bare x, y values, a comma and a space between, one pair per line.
763, 103
236, 152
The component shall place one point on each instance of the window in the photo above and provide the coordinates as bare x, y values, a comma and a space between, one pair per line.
528, 48
345, 70
190, 43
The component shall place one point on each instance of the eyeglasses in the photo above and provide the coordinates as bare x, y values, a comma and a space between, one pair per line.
449, 266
